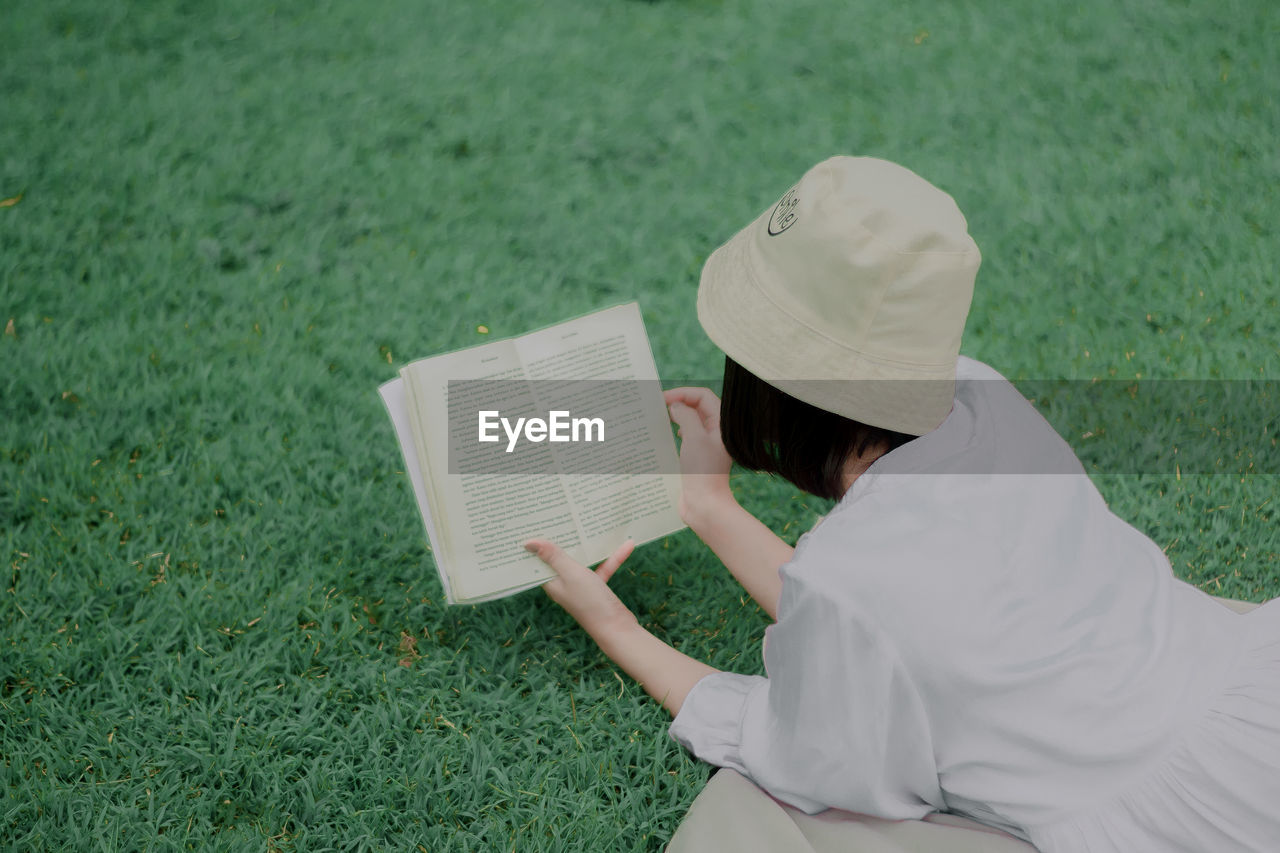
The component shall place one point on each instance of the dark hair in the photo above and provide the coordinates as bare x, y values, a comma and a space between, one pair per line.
768, 430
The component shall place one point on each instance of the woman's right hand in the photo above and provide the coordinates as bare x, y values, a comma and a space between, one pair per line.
704, 463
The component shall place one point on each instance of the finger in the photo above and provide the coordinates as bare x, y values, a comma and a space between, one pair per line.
685, 417
554, 556
705, 403
615, 560
696, 397
554, 588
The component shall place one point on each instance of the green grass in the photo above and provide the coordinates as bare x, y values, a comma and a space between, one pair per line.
228, 222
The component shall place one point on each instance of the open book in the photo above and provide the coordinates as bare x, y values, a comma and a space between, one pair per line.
486, 483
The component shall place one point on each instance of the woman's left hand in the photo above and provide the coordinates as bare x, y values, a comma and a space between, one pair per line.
666, 674
584, 593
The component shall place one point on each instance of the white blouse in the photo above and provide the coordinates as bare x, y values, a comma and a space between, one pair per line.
971, 629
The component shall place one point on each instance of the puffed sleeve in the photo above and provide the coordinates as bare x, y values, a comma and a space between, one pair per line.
838, 722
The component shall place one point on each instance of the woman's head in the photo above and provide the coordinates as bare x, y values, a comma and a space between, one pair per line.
849, 294
766, 429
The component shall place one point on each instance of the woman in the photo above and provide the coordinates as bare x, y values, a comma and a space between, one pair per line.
970, 630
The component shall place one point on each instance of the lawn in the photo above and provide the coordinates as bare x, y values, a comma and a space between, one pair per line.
223, 224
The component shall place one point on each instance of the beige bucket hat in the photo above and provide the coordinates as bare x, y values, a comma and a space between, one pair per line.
850, 294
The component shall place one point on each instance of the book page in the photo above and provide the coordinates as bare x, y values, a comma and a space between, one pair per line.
394, 397
627, 487
484, 519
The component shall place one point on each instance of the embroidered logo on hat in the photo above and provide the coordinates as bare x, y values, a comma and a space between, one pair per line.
784, 214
